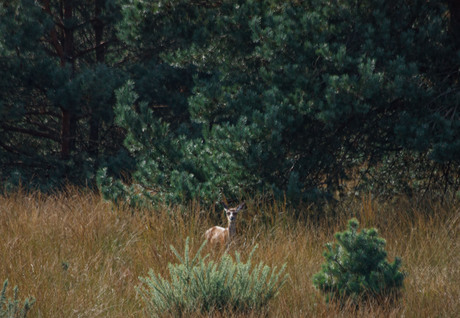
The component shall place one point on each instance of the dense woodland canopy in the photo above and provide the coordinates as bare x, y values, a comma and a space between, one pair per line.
173, 100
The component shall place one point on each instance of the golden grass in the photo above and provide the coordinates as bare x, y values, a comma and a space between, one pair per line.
81, 257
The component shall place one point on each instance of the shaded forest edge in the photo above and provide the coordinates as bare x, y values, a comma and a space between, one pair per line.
191, 100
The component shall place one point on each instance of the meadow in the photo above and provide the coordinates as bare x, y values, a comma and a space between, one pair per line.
80, 256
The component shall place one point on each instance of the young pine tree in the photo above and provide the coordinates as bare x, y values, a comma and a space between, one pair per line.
356, 267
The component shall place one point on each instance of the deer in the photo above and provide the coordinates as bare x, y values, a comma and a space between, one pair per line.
218, 234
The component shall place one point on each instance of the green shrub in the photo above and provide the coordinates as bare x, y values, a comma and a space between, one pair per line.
10, 308
356, 267
204, 286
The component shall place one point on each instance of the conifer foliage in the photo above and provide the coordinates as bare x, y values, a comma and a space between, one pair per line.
290, 97
230, 96
59, 68
356, 267
197, 284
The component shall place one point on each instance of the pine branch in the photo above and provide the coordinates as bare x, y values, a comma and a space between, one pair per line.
30, 132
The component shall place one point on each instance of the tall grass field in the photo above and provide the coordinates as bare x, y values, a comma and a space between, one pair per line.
80, 256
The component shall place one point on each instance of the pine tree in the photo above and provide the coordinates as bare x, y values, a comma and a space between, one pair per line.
287, 96
57, 85
356, 267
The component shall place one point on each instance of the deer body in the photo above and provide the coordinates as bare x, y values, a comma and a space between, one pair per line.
218, 234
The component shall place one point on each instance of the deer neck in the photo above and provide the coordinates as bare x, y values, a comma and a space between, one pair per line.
231, 229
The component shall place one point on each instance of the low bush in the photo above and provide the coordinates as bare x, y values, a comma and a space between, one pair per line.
205, 286
356, 267
11, 308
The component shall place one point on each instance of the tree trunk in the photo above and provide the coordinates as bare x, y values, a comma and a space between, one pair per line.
98, 27
68, 117
454, 9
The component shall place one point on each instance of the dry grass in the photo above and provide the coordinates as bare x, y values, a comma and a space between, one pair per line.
81, 257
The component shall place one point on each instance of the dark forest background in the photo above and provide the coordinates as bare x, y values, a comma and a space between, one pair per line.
177, 100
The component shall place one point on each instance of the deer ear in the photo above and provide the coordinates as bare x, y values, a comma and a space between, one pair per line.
240, 206
225, 206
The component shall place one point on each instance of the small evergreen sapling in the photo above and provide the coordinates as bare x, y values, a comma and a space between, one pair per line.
356, 267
